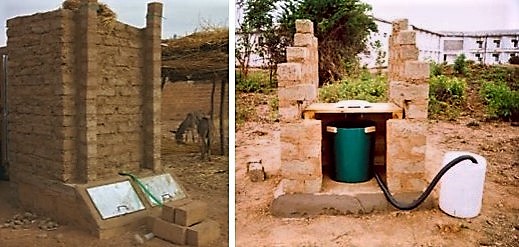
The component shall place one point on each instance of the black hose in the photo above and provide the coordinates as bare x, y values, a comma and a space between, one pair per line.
429, 189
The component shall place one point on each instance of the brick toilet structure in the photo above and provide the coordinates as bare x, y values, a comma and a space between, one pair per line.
306, 187
84, 104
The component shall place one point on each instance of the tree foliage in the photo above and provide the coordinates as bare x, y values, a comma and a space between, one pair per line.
341, 26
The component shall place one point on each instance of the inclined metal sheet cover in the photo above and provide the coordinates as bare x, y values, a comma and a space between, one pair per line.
115, 199
163, 187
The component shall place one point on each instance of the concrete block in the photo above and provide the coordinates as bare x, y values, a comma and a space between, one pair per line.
313, 185
416, 70
305, 40
203, 233
406, 37
255, 171
304, 26
191, 213
170, 232
401, 91
297, 54
291, 186
301, 169
302, 92
168, 209
400, 24
289, 73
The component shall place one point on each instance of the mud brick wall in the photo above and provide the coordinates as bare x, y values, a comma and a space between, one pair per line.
298, 81
409, 89
84, 97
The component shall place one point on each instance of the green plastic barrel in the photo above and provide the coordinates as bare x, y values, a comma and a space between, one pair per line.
354, 146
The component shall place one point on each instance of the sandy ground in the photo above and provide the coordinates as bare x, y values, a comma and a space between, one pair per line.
497, 224
207, 181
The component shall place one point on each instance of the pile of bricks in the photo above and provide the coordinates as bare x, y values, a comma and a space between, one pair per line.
408, 89
298, 81
185, 222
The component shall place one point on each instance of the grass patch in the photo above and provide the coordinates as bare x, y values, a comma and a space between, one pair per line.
446, 96
257, 81
365, 87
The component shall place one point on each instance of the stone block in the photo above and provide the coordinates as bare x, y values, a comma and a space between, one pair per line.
400, 25
191, 213
313, 185
401, 92
302, 92
416, 70
309, 168
297, 54
406, 37
416, 109
168, 209
289, 74
170, 232
305, 40
291, 186
304, 26
203, 233
408, 52
256, 171
405, 154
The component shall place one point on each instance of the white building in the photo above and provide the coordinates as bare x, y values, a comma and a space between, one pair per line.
488, 47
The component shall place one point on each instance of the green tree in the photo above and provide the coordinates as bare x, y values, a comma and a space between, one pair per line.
341, 26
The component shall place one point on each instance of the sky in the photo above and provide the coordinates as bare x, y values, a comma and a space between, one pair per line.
181, 17
451, 15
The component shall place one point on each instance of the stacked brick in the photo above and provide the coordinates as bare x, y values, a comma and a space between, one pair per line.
185, 222
298, 81
84, 101
408, 89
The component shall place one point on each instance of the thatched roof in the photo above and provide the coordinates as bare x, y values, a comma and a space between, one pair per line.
198, 56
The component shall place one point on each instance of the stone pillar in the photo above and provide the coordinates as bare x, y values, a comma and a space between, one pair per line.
86, 91
151, 90
408, 89
298, 82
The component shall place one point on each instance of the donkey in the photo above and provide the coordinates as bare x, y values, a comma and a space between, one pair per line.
204, 135
188, 126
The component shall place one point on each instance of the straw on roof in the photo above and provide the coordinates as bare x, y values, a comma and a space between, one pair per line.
198, 56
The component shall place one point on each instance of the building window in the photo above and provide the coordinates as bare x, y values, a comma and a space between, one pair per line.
478, 56
497, 42
514, 43
480, 43
385, 35
496, 57
512, 54
445, 57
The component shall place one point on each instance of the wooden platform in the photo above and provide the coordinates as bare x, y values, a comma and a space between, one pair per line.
317, 108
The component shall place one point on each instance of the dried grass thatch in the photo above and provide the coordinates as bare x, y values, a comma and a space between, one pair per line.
105, 15
197, 56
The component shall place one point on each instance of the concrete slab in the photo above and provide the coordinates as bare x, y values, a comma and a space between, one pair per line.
339, 199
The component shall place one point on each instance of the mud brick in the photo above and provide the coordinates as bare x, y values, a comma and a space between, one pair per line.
170, 232
289, 73
168, 209
203, 233
304, 26
191, 213
416, 70
406, 37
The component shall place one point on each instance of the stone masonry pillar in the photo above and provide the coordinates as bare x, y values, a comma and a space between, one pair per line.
151, 90
298, 81
408, 89
86, 91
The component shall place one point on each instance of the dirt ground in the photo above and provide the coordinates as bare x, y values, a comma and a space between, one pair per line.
207, 181
497, 224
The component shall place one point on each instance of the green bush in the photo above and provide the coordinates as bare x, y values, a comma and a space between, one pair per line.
364, 87
514, 60
255, 82
446, 96
502, 102
436, 68
460, 64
